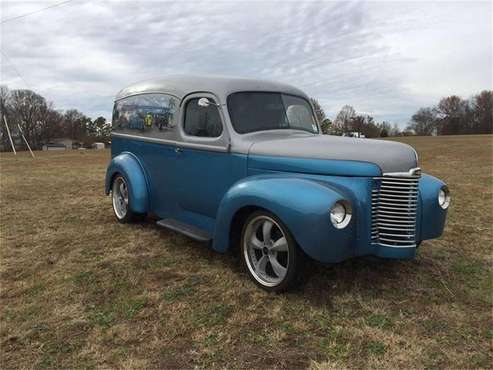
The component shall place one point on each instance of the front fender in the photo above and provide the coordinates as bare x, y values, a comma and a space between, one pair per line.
128, 165
302, 205
432, 215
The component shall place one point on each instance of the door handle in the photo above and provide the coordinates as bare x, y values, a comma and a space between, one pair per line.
178, 150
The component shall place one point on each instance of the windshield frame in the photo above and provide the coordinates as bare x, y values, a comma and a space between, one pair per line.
312, 112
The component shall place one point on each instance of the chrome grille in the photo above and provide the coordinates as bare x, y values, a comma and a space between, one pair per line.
394, 205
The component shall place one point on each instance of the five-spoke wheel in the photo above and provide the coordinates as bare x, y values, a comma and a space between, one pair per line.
269, 252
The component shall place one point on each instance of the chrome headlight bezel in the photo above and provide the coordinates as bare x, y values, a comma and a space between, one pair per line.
341, 214
443, 197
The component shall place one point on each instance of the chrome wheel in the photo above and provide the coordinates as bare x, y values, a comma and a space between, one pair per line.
266, 251
120, 197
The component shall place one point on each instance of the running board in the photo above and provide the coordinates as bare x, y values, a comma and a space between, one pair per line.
185, 229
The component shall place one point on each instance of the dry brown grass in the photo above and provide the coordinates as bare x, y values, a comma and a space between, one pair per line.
79, 290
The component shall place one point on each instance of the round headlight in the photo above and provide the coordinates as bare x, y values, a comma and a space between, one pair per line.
340, 214
444, 197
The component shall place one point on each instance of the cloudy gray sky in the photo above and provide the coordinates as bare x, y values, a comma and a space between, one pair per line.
386, 59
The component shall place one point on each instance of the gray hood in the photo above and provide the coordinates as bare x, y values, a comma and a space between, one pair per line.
390, 156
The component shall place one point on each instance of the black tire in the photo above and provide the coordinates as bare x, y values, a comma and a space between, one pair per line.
293, 260
122, 217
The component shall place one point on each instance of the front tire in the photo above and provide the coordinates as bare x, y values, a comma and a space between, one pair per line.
269, 252
121, 200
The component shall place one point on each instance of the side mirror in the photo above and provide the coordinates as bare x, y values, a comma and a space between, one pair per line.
204, 102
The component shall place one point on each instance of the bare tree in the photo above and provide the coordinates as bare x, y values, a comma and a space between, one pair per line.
75, 125
423, 122
452, 114
344, 119
365, 124
357, 124
385, 129
29, 111
4, 97
482, 105
4, 107
395, 131
52, 124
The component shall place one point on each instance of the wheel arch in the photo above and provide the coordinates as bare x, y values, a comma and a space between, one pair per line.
301, 212
111, 181
127, 165
236, 226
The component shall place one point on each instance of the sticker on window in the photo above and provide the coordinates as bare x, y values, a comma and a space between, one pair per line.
148, 120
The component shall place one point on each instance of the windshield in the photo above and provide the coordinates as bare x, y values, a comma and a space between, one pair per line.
258, 111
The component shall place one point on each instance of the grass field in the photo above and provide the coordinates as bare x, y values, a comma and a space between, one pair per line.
79, 290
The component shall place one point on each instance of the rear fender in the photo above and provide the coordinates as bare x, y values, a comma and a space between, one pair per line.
129, 166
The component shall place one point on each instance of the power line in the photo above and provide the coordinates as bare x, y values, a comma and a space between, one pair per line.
15, 69
34, 12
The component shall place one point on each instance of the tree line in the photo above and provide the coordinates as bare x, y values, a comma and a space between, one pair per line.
451, 116
454, 116
41, 122
348, 121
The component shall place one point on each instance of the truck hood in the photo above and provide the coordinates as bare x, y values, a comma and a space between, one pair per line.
390, 156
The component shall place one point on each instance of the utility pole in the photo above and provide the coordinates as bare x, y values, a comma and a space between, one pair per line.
25, 140
10, 137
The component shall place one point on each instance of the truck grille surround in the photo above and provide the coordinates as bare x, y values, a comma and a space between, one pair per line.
394, 207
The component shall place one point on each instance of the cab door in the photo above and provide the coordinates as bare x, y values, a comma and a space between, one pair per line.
205, 168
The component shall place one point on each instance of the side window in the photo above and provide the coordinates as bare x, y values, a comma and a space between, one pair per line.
202, 121
153, 115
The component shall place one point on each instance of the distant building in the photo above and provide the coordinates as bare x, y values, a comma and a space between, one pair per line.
59, 144
98, 146
53, 146
354, 134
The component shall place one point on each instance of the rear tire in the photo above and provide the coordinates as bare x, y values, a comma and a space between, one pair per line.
121, 201
269, 252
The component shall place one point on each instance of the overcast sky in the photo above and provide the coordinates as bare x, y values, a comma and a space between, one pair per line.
386, 59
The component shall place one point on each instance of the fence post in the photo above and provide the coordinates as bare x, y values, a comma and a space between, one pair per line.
10, 137
25, 140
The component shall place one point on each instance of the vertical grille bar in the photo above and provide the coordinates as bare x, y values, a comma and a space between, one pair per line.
394, 205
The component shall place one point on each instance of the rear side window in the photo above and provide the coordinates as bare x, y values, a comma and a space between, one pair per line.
153, 115
202, 121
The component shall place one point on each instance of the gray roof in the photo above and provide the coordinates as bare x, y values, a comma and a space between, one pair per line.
182, 85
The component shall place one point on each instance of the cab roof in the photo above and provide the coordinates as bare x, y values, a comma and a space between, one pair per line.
182, 85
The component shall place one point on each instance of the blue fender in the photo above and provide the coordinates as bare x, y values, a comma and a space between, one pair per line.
432, 215
129, 166
301, 204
